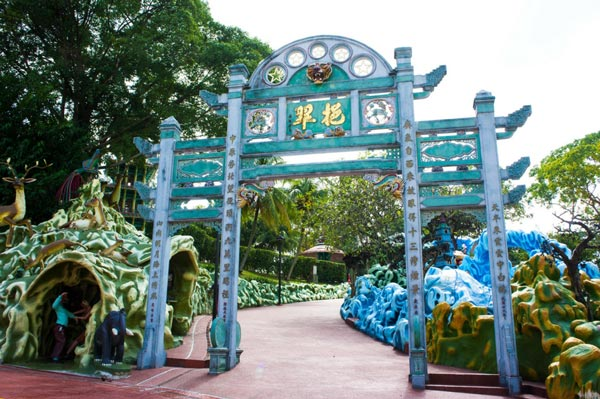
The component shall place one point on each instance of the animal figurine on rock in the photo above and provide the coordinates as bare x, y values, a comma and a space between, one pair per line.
109, 339
14, 214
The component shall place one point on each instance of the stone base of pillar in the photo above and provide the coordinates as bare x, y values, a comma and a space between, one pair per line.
218, 359
514, 385
418, 362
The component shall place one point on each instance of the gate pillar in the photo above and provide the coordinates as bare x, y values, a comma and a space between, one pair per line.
506, 353
230, 229
153, 354
412, 219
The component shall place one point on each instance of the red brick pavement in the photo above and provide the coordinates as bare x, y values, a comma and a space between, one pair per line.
294, 351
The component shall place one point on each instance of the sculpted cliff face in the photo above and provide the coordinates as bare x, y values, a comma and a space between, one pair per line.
544, 309
106, 263
576, 373
555, 341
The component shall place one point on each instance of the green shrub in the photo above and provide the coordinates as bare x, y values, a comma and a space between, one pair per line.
263, 261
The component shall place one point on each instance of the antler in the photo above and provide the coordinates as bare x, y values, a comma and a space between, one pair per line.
36, 166
27, 169
10, 168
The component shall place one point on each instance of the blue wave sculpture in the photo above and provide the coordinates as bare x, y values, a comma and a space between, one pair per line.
382, 312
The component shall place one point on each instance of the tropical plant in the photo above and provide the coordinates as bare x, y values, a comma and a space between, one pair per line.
306, 195
272, 208
567, 181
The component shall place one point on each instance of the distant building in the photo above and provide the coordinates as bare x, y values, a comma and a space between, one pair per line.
324, 252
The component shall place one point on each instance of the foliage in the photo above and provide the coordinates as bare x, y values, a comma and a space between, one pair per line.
359, 220
266, 238
517, 255
272, 208
306, 196
571, 240
569, 175
84, 75
205, 241
266, 262
254, 293
262, 278
567, 180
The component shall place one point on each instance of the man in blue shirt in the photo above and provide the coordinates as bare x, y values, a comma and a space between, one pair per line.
62, 321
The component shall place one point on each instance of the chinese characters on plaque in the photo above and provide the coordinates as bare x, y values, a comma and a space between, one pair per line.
318, 116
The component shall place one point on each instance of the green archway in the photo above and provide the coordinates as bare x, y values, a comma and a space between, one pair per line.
323, 94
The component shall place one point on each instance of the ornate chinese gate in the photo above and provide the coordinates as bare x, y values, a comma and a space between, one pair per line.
324, 94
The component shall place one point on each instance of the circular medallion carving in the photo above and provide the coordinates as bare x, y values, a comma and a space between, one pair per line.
295, 58
362, 66
260, 121
378, 111
275, 75
341, 53
318, 51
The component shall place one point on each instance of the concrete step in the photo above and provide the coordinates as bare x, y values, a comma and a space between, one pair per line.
188, 363
480, 383
475, 389
480, 379
533, 390
193, 352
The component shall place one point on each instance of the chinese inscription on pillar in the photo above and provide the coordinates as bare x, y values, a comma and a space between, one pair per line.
412, 219
229, 232
158, 236
498, 256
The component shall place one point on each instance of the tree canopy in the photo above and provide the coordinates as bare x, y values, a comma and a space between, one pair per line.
568, 180
362, 221
78, 76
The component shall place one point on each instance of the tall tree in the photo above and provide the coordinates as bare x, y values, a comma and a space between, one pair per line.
306, 196
362, 221
567, 180
77, 76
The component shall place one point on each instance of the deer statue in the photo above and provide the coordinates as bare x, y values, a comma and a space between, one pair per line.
13, 215
99, 216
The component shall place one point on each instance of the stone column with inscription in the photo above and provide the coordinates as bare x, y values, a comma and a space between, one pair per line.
230, 245
152, 354
506, 352
412, 218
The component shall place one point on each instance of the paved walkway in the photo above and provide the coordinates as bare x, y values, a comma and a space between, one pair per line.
302, 350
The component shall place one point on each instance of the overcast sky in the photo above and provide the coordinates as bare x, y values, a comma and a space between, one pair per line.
543, 53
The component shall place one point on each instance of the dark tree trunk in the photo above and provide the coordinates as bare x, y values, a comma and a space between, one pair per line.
251, 239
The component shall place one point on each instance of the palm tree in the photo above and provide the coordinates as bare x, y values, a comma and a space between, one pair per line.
272, 208
305, 194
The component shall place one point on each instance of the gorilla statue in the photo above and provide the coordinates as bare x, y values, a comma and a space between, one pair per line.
109, 339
